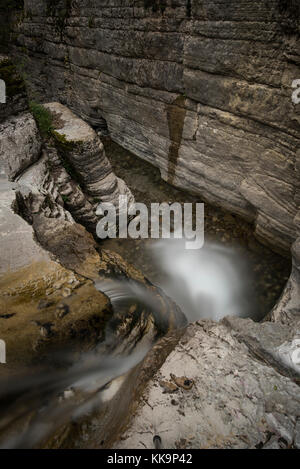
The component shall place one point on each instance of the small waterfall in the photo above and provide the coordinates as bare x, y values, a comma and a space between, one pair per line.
209, 283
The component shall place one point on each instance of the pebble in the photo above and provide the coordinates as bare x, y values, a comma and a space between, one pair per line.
62, 310
183, 382
66, 292
45, 304
168, 386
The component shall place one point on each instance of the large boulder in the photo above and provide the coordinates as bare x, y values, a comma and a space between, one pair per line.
18, 248
20, 144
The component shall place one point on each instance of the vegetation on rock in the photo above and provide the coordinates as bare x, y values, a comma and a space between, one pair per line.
42, 117
60, 11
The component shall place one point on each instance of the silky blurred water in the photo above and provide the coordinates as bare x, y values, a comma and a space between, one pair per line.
209, 283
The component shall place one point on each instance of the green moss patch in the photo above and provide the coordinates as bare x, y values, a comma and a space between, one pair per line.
43, 118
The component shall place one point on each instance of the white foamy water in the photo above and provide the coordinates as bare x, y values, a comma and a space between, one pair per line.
211, 282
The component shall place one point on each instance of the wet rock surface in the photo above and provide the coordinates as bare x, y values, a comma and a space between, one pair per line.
49, 309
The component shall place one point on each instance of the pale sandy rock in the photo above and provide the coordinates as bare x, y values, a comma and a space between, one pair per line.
18, 247
20, 144
272, 443
276, 342
236, 401
282, 425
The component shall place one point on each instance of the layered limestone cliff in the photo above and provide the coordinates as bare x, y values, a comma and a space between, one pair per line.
201, 89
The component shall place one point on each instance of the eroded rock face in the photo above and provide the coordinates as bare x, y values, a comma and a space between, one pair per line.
64, 178
288, 306
20, 144
44, 306
204, 93
221, 387
17, 249
49, 262
203, 90
79, 144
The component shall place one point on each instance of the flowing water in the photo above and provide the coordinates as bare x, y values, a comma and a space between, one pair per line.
232, 274
212, 282
232, 264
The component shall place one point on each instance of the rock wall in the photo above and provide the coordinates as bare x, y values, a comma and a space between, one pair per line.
8, 10
201, 89
13, 89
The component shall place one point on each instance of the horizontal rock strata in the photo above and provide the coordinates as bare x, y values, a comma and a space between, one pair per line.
79, 144
12, 88
203, 90
67, 176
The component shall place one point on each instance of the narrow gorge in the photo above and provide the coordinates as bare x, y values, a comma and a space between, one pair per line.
124, 343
